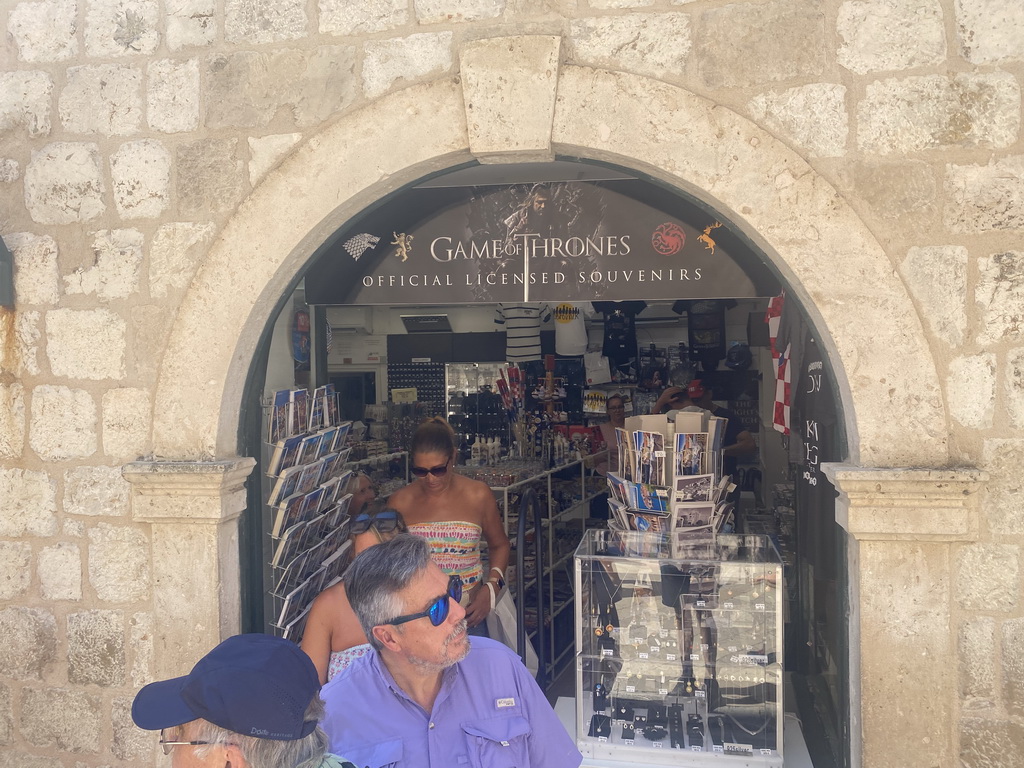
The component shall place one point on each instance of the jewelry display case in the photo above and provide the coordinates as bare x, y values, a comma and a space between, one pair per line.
679, 649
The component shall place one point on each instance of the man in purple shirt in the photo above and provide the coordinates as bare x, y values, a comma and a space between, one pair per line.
431, 696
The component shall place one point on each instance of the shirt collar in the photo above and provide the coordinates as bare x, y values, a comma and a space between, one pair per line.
448, 678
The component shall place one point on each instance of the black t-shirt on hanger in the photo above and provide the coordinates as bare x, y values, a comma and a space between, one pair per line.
620, 330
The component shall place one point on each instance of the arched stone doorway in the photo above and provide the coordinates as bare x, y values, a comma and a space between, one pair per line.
512, 102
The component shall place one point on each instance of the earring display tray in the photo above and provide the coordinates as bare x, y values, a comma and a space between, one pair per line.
679, 649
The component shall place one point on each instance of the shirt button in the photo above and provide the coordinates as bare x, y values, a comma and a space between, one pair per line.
431, 726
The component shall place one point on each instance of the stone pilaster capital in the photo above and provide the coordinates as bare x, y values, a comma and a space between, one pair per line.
188, 491
907, 504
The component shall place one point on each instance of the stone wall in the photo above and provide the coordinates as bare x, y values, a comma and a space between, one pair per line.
134, 134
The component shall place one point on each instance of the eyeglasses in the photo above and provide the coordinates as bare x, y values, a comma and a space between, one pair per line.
384, 521
435, 471
438, 610
166, 745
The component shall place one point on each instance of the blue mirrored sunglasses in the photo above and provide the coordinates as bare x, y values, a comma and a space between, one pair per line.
438, 610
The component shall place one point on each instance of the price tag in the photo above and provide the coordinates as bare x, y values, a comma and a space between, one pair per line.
606, 651
701, 603
662, 632
694, 748
657, 745
694, 657
727, 605
670, 657
759, 606
766, 752
602, 738
644, 655
700, 694
628, 742
663, 691
704, 646
630, 689
659, 454
716, 748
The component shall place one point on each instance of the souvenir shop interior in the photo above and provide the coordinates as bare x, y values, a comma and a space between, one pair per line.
682, 602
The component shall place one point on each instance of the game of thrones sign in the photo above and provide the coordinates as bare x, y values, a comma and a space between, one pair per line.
612, 240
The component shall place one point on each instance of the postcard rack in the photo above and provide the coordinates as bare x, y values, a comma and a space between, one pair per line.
307, 502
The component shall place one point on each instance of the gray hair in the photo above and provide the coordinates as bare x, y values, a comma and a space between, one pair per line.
307, 752
378, 574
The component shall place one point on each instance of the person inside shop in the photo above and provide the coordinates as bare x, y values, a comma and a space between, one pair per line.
453, 512
615, 407
429, 696
671, 399
738, 442
333, 637
251, 701
363, 491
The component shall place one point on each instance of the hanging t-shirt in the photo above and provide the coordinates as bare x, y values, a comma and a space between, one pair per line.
620, 330
522, 330
570, 328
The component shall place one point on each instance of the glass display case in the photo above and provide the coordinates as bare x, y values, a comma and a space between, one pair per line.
679, 649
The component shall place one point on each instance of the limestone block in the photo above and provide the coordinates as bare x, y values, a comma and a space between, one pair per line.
356, 17
190, 22
63, 423
96, 652
605, 5
890, 34
971, 390
989, 30
1004, 492
96, 491
130, 743
990, 743
121, 27
25, 102
410, 58
209, 176
15, 568
140, 629
140, 174
937, 279
26, 342
115, 274
502, 79
264, 21
44, 31
126, 417
10, 170
30, 503
265, 151
980, 198
12, 420
447, 11
745, 44
172, 101
6, 715
977, 652
36, 277
150, 326
1013, 665
901, 192
903, 115
988, 577
64, 184
999, 297
102, 98
1013, 386
118, 563
242, 92
811, 116
174, 255
18, 759
85, 343
325, 83
657, 44
68, 719
60, 572
30, 642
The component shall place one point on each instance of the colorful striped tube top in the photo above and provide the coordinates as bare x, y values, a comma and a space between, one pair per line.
455, 547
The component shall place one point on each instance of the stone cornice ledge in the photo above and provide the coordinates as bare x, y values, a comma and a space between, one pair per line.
897, 504
188, 491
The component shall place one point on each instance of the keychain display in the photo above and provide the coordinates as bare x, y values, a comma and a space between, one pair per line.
689, 663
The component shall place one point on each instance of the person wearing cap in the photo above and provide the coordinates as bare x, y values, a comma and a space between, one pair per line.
251, 702
431, 696
737, 442
671, 399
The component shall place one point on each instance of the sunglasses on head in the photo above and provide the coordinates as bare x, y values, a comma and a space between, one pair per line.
384, 521
438, 610
435, 471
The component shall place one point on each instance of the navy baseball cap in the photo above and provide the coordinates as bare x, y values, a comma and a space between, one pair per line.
255, 685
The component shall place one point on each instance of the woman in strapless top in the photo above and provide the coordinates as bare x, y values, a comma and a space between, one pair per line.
453, 513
